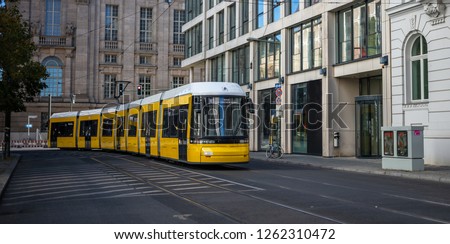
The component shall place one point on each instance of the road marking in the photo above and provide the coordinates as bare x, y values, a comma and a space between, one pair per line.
418, 200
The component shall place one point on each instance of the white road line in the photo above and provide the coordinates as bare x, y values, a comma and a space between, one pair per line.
418, 200
186, 184
190, 188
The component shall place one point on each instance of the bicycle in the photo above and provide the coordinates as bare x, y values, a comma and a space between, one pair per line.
274, 151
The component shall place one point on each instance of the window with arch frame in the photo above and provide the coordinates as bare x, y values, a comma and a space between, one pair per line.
418, 69
54, 80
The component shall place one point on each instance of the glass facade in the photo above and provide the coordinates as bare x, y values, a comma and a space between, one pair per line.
307, 118
269, 52
267, 110
306, 46
241, 65
359, 31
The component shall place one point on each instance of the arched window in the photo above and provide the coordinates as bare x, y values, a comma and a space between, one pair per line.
418, 64
54, 81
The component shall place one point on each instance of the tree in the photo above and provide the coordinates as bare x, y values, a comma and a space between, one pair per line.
21, 78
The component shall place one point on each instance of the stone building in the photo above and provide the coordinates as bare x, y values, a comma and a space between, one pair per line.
420, 81
94, 48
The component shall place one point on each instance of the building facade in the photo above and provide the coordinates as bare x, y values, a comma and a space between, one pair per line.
95, 49
315, 70
420, 72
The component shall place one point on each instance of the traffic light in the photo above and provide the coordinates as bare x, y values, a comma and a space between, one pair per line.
139, 90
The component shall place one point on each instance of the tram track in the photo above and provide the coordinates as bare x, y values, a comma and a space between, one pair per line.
191, 179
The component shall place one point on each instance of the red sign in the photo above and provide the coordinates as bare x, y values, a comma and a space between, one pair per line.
278, 92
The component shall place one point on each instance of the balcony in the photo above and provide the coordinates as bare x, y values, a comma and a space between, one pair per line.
147, 47
177, 48
54, 41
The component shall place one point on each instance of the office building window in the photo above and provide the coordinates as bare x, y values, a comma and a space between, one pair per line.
53, 17
111, 22
109, 86
55, 78
232, 21
292, 6
309, 3
275, 11
241, 65
145, 60
178, 22
359, 31
217, 70
244, 14
193, 8
269, 57
145, 25
211, 32
220, 28
194, 41
259, 10
306, 45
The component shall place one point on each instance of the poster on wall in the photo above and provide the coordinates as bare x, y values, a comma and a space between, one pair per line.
402, 144
388, 139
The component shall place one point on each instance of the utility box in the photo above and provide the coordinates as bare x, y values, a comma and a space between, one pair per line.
402, 148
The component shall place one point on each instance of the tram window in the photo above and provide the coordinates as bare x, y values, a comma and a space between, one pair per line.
170, 118
132, 124
120, 125
88, 127
149, 124
107, 127
62, 129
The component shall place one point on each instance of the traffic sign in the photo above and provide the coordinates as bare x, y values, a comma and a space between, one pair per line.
278, 100
277, 85
29, 126
278, 92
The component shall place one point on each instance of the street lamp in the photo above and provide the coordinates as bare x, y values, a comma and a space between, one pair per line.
29, 125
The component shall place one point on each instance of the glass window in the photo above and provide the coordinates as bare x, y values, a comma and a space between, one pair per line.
359, 31
306, 46
55, 78
177, 81
275, 10
111, 22
345, 35
145, 82
240, 65
359, 23
244, 12
110, 58
178, 22
306, 49
145, 34
193, 8
222, 117
53, 18
211, 32
292, 6
232, 22
221, 28
269, 57
217, 70
109, 85
259, 14
419, 69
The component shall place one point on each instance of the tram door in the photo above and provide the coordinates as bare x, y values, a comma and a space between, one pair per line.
368, 126
182, 132
147, 119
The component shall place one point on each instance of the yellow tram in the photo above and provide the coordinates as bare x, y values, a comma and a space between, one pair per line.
199, 123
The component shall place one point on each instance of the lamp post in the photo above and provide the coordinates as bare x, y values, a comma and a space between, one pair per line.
29, 125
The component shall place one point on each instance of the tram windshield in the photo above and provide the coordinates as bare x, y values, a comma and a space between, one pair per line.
220, 117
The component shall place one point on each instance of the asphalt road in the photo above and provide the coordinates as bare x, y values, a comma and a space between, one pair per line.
102, 187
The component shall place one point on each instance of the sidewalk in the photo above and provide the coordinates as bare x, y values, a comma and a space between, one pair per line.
7, 166
367, 166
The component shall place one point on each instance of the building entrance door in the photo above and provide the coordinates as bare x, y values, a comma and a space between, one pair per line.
368, 125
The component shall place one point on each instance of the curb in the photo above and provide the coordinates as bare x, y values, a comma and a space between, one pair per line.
6, 174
